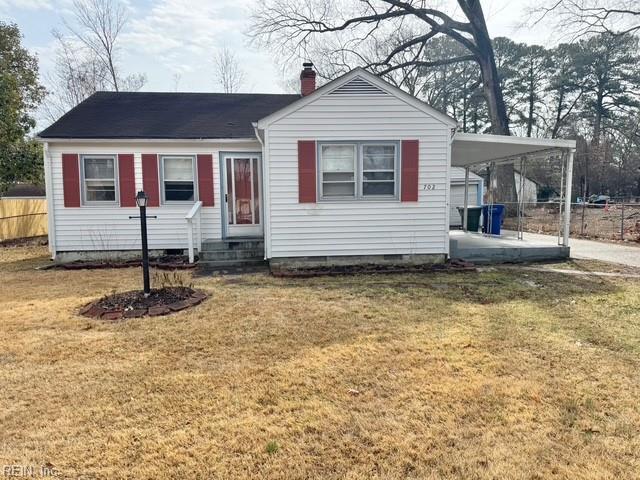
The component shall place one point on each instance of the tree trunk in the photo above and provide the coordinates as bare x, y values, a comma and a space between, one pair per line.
493, 94
505, 184
556, 126
504, 174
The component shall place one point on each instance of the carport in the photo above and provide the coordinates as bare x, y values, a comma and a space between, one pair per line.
469, 149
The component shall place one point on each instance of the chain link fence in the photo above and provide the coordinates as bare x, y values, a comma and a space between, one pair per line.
617, 220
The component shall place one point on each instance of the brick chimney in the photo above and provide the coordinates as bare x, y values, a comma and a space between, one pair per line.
307, 79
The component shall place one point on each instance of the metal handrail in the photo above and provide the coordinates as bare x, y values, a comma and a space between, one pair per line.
189, 218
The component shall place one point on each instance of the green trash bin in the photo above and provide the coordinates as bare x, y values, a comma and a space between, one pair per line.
473, 217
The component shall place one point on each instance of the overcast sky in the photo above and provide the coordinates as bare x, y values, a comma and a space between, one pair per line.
168, 37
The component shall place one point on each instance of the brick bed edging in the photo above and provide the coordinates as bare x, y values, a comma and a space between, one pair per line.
93, 310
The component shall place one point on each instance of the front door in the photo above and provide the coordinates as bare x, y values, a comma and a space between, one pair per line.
243, 194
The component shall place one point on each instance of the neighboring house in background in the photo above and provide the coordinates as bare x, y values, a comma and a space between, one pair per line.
531, 187
530, 191
356, 170
25, 190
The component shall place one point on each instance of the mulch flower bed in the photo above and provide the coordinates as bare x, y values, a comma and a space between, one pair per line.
134, 304
166, 262
451, 266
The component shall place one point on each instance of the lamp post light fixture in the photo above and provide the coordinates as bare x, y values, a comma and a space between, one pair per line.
141, 201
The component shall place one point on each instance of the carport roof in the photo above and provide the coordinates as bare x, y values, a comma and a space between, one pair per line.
472, 148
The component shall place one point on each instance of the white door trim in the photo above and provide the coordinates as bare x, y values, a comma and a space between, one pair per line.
233, 230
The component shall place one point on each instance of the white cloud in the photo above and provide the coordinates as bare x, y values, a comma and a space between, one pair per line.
10, 8
173, 28
178, 36
26, 4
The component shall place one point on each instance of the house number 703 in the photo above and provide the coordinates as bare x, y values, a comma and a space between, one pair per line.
429, 186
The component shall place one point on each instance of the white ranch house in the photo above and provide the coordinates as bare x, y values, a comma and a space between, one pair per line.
354, 171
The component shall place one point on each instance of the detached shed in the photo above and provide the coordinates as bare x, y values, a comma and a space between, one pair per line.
474, 195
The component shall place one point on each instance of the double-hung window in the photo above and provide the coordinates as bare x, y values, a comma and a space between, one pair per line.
378, 170
99, 179
338, 167
178, 174
358, 170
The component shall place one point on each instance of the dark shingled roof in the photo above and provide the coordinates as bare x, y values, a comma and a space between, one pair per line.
167, 115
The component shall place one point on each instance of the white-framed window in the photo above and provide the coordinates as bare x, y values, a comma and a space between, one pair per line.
363, 170
99, 184
338, 170
379, 165
178, 178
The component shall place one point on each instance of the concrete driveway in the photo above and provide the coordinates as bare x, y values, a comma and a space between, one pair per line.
589, 249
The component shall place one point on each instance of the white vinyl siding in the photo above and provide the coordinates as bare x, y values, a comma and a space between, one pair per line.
109, 227
357, 227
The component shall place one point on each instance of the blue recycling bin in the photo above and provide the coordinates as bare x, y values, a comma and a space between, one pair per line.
497, 216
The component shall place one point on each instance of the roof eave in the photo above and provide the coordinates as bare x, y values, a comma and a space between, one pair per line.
145, 139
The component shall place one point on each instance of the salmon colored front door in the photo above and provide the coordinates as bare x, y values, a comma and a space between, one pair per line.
243, 195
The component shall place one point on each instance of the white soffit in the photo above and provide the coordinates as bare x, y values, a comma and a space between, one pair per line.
472, 148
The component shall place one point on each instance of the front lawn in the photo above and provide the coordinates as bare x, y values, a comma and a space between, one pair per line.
500, 374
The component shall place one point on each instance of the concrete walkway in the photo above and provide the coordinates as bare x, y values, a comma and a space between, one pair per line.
592, 250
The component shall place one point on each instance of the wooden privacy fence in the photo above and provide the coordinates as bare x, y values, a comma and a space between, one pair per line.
22, 217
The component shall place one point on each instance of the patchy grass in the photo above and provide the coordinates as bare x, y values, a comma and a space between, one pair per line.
585, 265
499, 374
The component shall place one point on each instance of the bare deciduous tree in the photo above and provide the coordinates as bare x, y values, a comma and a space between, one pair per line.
295, 26
584, 17
345, 28
87, 56
98, 24
228, 73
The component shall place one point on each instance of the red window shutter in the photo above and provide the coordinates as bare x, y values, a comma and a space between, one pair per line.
409, 174
205, 179
306, 171
71, 179
150, 178
127, 180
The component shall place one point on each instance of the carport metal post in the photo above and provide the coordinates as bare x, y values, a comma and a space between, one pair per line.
567, 198
466, 199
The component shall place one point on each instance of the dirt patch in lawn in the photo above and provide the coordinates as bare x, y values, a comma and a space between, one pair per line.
135, 304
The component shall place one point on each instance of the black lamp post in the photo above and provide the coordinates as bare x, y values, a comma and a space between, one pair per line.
141, 201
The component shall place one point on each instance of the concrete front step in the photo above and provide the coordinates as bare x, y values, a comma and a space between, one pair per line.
235, 244
237, 254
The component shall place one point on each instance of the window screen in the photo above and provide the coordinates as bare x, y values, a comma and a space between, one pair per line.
338, 170
99, 179
178, 179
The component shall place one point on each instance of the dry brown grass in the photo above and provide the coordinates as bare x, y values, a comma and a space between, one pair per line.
499, 374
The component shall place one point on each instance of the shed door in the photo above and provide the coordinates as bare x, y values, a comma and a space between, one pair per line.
457, 200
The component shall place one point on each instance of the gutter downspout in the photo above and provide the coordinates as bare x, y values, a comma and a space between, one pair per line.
48, 183
266, 193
